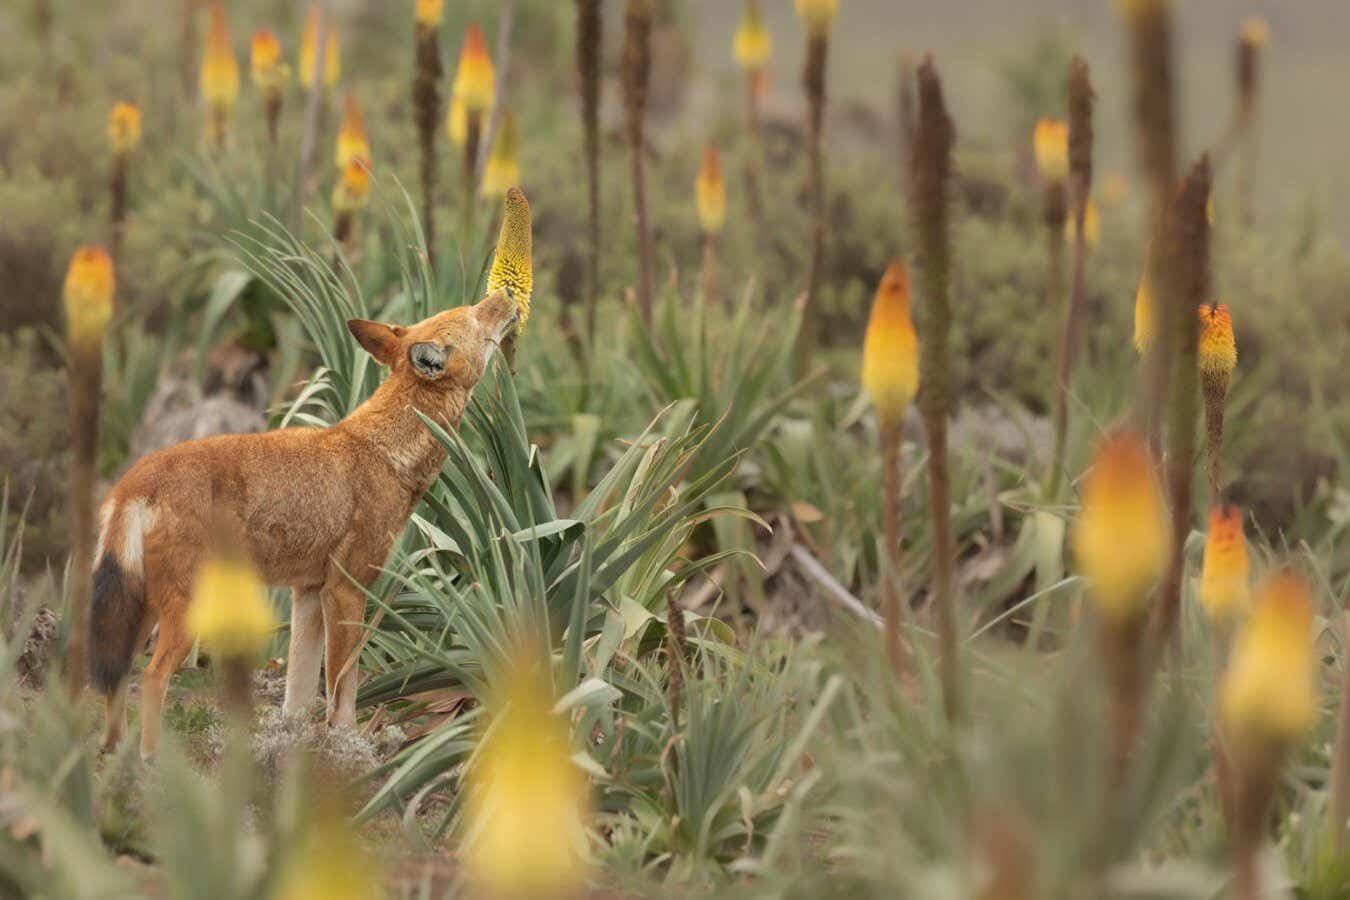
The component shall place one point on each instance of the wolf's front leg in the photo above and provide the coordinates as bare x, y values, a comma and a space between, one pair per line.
306, 652
344, 608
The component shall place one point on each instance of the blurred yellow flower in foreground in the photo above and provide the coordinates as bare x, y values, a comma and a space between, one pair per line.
502, 169
351, 139
1123, 533
309, 51
1224, 588
752, 45
353, 187
329, 863
710, 193
220, 70
475, 84
890, 359
429, 12
230, 611
124, 127
1050, 141
512, 267
268, 70
1143, 313
88, 297
1268, 695
526, 800
457, 121
817, 15
1217, 352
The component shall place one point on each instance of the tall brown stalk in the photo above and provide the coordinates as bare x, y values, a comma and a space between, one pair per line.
426, 101
676, 654
1080, 184
813, 81
1249, 80
590, 30
637, 64
904, 110
930, 173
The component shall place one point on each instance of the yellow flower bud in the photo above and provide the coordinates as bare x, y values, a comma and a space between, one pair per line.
351, 139
1224, 588
1143, 315
511, 264
1122, 539
220, 70
474, 83
1256, 31
502, 169
817, 15
230, 611
268, 69
88, 297
429, 12
752, 45
124, 127
1217, 353
309, 49
1051, 144
526, 800
353, 188
1268, 695
710, 190
890, 358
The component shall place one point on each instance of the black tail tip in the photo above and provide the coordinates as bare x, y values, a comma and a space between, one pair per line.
114, 621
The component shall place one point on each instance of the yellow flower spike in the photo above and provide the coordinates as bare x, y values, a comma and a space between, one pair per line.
330, 862
752, 45
353, 188
1224, 588
817, 15
1051, 144
457, 122
511, 264
474, 83
1092, 225
88, 297
268, 70
526, 800
502, 169
309, 47
1143, 314
124, 127
710, 190
230, 611
430, 12
351, 139
890, 358
1268, 695
220, 70
1217, 352
1122, 538
1256, 31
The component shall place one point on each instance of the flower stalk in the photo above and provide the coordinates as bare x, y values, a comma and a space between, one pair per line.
752, 47
710, 193
590, 30
1253, 38
1051, 146
270, 74
817, 16
124, 136
426, 105
219, 78
636, 73
475, 89
930, 174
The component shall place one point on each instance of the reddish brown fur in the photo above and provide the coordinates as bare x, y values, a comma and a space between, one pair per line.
317, 508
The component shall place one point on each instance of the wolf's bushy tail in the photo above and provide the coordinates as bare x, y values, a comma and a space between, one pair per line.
115, 610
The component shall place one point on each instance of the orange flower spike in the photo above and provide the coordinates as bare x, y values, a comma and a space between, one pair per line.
124, 127
1122, 538
1218, 348
1224, 588
351, 139
220, 70
1268, 695
266, 66
309, 46
475, 84
1050, 142
88, 297
890, 363
710, 190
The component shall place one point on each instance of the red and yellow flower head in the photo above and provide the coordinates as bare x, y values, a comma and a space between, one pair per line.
752, 45
1268, 696
220, 69
353, 188
309, 51
1122, 539
88, 297
710, 191
890, 363
268, 70
351, 139
475, 84
1224, 588
1217, 351
1050, 142
124, 127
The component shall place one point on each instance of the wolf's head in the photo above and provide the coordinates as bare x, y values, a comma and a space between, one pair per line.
448, 351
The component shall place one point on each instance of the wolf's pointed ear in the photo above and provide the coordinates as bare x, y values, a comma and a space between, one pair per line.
379, 340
